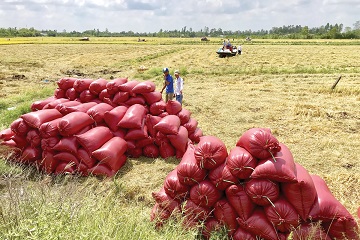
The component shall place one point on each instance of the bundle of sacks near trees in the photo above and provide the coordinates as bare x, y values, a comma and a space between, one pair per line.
92, 126
255, 191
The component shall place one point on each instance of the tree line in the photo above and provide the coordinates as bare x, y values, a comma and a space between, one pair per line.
327, 31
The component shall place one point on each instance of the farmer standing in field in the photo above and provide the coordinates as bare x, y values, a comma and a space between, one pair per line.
179, 87
168, 84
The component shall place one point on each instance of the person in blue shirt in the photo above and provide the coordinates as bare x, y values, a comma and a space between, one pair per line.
168, 84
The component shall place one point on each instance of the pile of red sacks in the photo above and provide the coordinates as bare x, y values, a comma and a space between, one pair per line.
92, 126
256, 191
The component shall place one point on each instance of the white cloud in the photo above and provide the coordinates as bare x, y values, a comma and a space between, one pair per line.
151, 15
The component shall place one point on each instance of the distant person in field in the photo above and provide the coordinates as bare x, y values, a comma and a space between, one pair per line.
179, 87
228, 45
168, 84
239, 49
224, 45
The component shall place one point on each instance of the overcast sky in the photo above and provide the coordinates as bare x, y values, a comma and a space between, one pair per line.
153, 15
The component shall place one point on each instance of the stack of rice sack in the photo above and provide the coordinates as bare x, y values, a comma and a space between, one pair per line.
92, 126
255, 191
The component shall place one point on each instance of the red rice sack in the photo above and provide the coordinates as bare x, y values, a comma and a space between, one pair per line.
179, 154
67, 144
33, 137
47, 144
84, 107
48, 163
136, 152
165, 201
151, 151
54, 103
205, 194
59, 93
180, 140
35, 119
159, 215
97, 86
63, 107
258, 225
342, 228
240, 201
194, 212
94, 138
152, 97
128, 86
49, 129
241, 163
168, 125
111, 153
113, 85
226, 215
191, 125
86, 96
221, 177
19, 127
157, 108
241, 234
210, 152
282, 215
121, 97
82, 84
173, 107
20, 141
211, 225
86, 158
160, 138
184, 116
66, 83
113, 117
120, 133
73, 122
136, 133
101, 170
301, 194
30, 155
281, 170
63, 168
259, 142
174, 188
6, 134
97, 112
134, 117
9, 143
150, 122
195, 136
166, 150
104, 94
144, 87
135, 100
310, 231
38, 105
163, 114
262, 192
72, 94
189, 172
144, 142
67, 158
328, 208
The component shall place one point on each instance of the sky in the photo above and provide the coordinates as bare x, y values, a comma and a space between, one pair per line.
145, 16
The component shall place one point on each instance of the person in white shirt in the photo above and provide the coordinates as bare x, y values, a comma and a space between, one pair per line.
179, 87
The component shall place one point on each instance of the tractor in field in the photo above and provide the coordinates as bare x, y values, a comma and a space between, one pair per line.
227, 52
